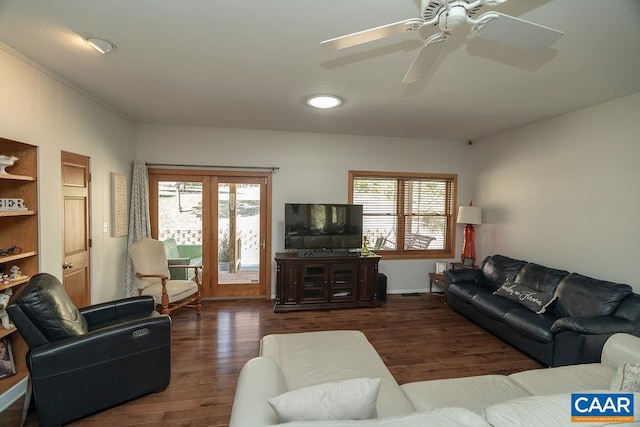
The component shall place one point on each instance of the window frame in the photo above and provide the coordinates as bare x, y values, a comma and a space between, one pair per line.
448, 251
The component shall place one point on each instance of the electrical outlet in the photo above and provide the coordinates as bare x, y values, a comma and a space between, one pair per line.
105, 227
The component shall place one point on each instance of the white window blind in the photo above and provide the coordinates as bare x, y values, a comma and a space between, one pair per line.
406, 214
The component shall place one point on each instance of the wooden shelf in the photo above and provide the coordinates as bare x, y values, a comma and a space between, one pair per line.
17, 213
17, 177
5, 332
13, 283
16, 257
8, 382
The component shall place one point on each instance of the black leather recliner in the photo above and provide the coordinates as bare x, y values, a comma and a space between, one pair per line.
82, 361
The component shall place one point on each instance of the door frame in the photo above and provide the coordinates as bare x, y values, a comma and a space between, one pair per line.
210, 218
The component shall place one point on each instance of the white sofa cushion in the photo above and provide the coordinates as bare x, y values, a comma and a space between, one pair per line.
311, 358
545, 411
353, 399
565, 379
473, 393
443, 417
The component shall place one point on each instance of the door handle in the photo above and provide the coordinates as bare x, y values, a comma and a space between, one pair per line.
66, 265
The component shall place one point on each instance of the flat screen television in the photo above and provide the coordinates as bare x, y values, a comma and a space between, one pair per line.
322, 226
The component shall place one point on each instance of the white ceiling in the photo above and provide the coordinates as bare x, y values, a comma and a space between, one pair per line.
251, 63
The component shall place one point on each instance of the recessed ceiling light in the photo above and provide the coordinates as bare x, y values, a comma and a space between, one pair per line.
101, 45
324, 101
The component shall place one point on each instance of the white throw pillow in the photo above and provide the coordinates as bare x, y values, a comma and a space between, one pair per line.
441, 417
353, 399
627, 379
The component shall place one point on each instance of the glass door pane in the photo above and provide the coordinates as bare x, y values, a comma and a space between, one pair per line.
239, 236
180, 224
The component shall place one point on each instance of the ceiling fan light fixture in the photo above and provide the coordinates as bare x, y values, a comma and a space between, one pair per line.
324, 101
101, 45
453, 18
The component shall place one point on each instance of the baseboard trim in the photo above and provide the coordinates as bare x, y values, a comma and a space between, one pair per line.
407, 291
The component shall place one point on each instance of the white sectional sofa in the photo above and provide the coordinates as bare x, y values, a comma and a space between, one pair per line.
539, 397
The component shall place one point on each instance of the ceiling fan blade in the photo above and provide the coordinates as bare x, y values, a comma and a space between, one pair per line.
425, 58
372, 34
514, 31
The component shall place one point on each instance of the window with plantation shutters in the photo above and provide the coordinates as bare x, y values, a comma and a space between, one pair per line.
406, 215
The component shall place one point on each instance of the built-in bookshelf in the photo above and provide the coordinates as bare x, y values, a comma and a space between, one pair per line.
18, 238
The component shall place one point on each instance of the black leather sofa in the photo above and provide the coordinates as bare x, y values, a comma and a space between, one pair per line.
556, 317
81, 361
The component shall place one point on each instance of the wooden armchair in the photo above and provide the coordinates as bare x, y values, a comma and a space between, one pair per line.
152, 277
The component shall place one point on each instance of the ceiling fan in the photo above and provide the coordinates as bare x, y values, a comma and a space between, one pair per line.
448, 15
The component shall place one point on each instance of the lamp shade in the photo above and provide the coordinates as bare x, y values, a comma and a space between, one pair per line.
469, 215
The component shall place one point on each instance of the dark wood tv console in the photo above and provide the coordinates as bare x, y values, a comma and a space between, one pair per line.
327, 282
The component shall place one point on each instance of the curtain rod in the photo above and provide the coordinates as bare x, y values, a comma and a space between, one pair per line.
247, 168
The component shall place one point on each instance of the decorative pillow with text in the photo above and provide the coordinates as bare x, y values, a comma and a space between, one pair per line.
533, 300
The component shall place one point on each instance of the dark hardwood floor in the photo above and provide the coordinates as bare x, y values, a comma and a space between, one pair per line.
418, 337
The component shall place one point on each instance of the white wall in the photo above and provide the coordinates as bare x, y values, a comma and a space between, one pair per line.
560, 192
564, 192
313, 168
38, 109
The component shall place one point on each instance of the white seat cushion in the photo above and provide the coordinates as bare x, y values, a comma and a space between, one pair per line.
176, 290
311, 358
473, 393
565, 379
443, 417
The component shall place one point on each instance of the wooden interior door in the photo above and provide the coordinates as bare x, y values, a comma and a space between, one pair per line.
75, 232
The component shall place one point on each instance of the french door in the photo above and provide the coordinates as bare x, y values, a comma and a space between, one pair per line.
218, 219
